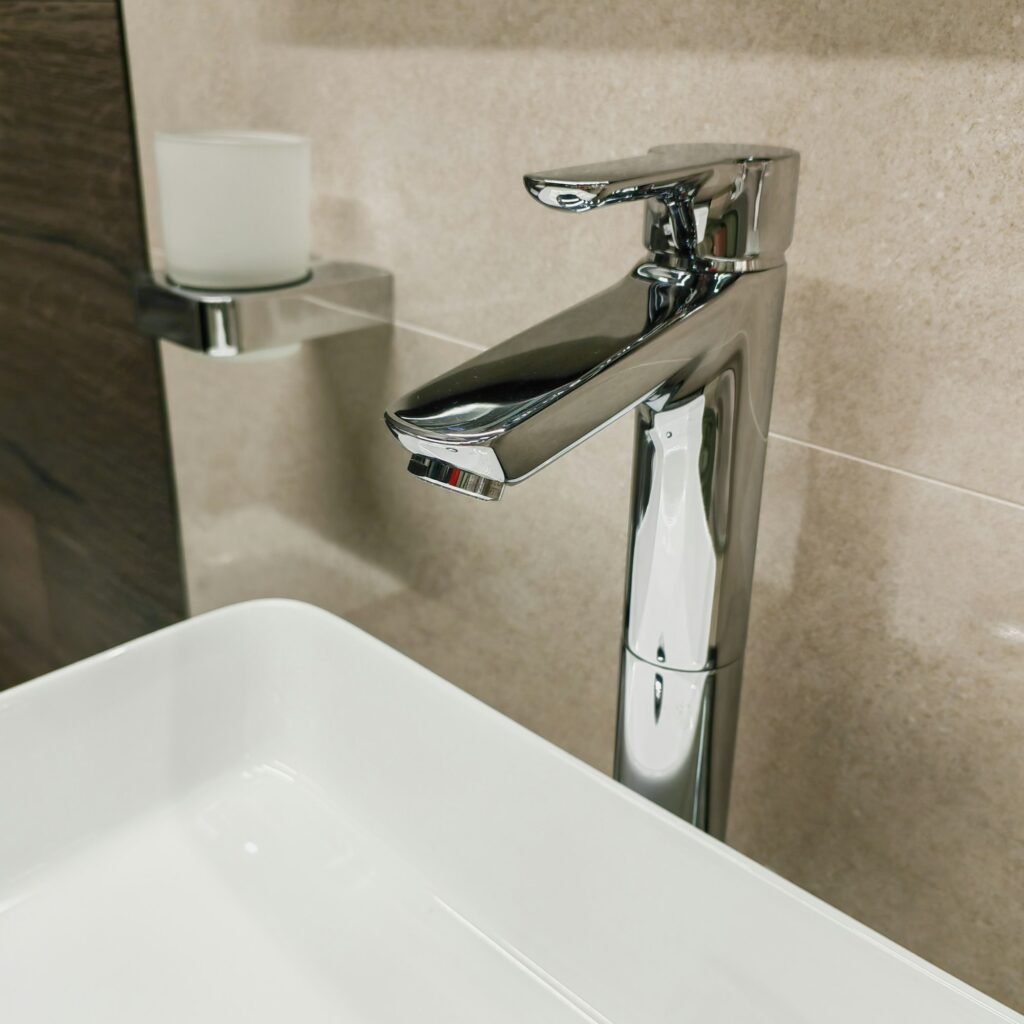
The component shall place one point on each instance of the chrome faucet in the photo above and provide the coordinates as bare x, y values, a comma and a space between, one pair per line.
688, 339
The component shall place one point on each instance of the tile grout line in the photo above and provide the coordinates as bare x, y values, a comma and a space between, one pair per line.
405, 325
920, 477
908, 474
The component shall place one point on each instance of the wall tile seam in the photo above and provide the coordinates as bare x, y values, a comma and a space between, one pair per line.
450, 339
906, 473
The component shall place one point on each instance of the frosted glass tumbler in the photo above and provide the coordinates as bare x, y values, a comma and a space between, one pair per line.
234, 207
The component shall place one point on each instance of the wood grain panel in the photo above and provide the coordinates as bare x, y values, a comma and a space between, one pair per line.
89, 552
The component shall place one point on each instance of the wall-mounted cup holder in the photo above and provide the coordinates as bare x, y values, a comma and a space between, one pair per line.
334, 299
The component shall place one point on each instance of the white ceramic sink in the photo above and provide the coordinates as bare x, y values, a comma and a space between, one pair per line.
265, 815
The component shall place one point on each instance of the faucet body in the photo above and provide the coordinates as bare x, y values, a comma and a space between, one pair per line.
688, 340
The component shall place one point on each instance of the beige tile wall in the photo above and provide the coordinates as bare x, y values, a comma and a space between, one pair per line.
881, 761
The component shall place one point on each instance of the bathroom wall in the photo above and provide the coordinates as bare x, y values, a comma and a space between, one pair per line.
880, 760
89, 552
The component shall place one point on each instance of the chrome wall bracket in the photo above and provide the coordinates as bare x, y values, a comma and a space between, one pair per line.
335, 298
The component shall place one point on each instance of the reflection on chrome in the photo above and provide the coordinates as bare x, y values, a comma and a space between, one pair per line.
688, 339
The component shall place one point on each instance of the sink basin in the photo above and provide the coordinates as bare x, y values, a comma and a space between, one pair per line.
264, 814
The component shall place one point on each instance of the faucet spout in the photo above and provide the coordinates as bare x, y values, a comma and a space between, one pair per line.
511, 410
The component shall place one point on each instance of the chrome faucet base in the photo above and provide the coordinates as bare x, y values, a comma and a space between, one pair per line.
688, 339
675, 738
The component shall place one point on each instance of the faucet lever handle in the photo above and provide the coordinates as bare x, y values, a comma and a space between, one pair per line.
730, 206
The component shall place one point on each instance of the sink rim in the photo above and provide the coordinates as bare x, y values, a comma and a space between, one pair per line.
659, 826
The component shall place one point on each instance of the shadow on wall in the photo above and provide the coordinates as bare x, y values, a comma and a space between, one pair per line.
868, 768
877, 731
811, 27
350, 391
845, 352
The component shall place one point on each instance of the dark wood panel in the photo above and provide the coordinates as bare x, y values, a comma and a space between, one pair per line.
89, 552
68, 169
